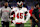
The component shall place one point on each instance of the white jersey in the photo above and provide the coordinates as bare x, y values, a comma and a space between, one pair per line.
5, 13
19, 14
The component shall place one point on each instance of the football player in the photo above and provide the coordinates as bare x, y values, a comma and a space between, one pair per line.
5, 15
20, 12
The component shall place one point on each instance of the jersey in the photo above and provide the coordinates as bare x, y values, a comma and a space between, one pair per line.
5, 13
19, 14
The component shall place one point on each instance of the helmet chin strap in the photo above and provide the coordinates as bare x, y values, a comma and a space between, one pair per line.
19, 7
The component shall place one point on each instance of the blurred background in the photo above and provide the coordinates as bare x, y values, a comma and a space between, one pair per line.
28, 3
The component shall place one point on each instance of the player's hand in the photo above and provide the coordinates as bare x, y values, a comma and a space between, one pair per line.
37, 21
24, 22
14, 21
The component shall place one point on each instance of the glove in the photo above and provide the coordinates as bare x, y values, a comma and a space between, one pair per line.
14, 21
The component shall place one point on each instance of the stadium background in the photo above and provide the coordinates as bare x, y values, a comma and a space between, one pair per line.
12, 3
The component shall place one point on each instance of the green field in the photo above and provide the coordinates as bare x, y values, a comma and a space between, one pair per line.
26, 24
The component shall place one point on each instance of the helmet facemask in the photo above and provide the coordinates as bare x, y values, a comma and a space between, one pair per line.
20, 4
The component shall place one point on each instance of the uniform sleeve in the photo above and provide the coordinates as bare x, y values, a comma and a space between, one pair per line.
9, 11
25, 9
28, 16
12, 12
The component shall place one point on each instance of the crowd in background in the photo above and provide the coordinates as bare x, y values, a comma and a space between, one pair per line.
28, 3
